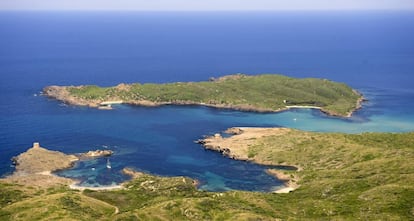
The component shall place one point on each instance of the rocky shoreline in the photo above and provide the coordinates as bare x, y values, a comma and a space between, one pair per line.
358, 106
35, 167
237, 148
289, 180
63, 94
95, 154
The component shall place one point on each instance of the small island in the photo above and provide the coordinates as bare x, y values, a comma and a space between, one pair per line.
260, 93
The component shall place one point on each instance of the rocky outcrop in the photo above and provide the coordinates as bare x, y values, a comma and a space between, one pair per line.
229, 77
237, 147
234, 131
62, 93
96, 153
35, 166
221, 145
131, 172
38, 159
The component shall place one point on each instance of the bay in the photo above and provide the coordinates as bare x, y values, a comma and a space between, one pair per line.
371, 51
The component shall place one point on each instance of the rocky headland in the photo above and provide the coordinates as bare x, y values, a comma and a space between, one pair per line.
38, 159
35, 167
239, 147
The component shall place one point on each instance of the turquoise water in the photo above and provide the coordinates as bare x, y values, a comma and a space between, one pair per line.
372, 52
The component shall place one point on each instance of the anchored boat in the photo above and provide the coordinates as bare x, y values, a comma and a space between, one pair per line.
108, 164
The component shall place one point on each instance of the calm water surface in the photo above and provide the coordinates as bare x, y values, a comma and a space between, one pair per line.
372, 52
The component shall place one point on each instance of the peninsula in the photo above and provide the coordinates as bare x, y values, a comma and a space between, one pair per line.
337, 174
35, 166
240, 146
261, 93
339, 177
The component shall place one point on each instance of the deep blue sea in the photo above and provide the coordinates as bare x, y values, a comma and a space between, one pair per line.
371, 51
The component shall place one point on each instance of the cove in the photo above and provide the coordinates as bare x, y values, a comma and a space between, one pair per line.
161, 140
38, 49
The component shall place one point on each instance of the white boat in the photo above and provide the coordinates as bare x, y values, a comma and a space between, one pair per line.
108, 164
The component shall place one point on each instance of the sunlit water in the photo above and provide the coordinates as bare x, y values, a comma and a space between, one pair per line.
39, 49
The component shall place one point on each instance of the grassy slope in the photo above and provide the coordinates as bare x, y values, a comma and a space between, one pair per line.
344, 177
263, 92
147, 198
366, 176
58, 203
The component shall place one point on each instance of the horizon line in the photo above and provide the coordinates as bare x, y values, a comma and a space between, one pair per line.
224, 10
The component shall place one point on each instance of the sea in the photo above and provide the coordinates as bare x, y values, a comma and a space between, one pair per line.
372, 51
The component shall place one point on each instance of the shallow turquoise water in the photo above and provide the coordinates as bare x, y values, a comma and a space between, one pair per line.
372, 52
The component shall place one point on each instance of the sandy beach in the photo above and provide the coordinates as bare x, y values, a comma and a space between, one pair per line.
303, 107
75, 186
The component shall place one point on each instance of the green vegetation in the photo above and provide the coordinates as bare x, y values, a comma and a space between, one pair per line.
145, 198
260, 93
67, 206
176, 198
343, 177
10, 194
367, 176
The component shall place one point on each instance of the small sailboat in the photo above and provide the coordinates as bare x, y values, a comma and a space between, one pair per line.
108, 164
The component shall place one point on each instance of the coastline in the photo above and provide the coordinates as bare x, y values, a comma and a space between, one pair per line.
35, 167
303, 107
329, 161
289, 180
246, 108
237, 147
75, 186
127, 171
62, 94
103, 98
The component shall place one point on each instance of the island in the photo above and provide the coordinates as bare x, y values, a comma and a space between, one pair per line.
261, 93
